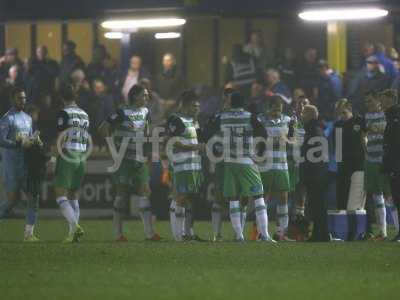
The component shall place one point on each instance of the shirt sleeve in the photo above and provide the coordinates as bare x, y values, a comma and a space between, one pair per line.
5, 142
62, 121
175, 126
116, 118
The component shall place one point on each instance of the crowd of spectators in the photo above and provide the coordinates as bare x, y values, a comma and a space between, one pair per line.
102, 86
253, 68
259, 75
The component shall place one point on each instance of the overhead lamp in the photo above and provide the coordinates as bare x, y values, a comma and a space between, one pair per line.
142, 23
113, 35
339, 14
167, 35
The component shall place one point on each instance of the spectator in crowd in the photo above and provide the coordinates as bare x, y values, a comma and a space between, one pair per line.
82, 88
99, 108
313, 173
393, 55
41, 75
388, 66
396, 84
373, 80
70, 61
350, 180
49, 107
12, 81
257, 100
276, 87
328, 91
169, 83
14, 77
155, 104
368, 49
287, 67
132, 76
262, 56
11, 58
209, 104
241, 70
230, 85
298, 96
307, 71
101, 66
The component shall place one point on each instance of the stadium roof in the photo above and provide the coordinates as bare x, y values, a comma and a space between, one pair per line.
66, 9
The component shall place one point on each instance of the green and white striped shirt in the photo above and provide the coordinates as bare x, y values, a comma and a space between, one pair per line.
237, 132
276, 155
131, 123
185, 160
376, 122
294, 151
75, 122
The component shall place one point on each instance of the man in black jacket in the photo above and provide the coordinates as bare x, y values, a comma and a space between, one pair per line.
70, 62
350, 188
391, 145
41, 75
169, 83
313, 171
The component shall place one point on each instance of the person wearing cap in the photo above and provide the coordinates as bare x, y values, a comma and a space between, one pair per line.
372, 80
329, 89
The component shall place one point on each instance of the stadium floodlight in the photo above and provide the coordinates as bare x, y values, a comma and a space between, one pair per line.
142, 23
345, 14
113, 35
167, 35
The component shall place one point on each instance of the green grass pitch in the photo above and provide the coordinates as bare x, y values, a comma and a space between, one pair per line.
100, 269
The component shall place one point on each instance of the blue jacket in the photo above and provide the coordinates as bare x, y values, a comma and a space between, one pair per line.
11, 124
390, 69
336, 82
282, 89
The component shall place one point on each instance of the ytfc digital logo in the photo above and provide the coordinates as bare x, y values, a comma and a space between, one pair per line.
76, 145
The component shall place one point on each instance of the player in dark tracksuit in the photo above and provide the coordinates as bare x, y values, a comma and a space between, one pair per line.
36, 158
313, 174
